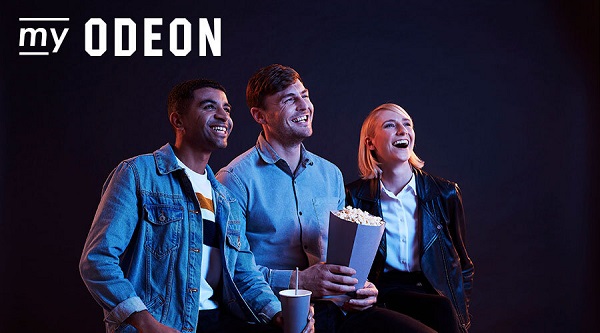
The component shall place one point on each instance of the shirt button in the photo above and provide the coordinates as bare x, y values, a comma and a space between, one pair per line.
403, 240
162, 218
193, 290
195, 250
300, 213
439, 227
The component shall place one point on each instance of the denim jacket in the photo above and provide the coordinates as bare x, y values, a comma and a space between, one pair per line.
144, 248
444, 258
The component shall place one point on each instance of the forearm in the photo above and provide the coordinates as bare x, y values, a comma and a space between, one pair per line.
109, 236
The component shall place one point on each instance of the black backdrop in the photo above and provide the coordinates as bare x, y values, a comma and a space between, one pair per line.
504, 95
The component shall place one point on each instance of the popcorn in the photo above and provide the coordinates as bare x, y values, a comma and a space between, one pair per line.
359, 216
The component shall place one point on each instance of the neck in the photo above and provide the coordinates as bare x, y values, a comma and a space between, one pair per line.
194, 159
289, 152
395, 178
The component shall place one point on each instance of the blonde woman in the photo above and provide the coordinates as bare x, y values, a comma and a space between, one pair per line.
422, 268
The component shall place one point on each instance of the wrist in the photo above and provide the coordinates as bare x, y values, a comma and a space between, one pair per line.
140, 319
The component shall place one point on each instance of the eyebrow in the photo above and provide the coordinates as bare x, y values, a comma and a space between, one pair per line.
394, 120
210, 101
294, 94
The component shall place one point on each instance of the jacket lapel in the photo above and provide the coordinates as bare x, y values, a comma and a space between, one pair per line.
429, 195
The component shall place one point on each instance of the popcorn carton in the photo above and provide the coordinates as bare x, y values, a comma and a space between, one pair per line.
354, 237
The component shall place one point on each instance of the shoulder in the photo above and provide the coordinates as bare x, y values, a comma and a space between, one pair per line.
246, 160
240, 170
429, 181
356, 185
140, 160
135, 164
322, 163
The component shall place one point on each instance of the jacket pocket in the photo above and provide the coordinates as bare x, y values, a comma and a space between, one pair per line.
232, 235
163, 232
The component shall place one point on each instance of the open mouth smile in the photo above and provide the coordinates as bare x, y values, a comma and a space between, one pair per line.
302, 119
219, 129
402, 143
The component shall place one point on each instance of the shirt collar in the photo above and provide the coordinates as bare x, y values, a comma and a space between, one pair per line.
410, 186
269, 155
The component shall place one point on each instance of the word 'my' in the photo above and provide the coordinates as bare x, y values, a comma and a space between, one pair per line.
32, 33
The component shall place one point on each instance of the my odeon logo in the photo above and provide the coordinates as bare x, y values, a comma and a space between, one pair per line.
125, 36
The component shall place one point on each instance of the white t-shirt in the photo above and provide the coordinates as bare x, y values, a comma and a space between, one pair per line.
211, 266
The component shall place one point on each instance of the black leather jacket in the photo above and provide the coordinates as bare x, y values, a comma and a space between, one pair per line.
444, 259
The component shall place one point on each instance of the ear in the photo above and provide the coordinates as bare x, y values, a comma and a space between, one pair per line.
176, 121
258, 115
369, 144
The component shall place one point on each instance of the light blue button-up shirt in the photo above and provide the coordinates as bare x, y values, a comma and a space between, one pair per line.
286, 212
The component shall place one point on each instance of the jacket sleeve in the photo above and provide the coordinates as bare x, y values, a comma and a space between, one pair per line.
251, 283
111, 231
277, 279
458, 233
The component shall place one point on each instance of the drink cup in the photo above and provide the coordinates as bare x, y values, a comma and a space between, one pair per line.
295, 309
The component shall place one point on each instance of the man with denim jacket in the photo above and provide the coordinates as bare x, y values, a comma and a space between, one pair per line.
156, 259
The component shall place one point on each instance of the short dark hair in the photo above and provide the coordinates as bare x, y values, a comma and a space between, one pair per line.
268, 81
183, 93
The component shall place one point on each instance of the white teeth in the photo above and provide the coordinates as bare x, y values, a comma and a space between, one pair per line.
219, 129
300, 119
403, 143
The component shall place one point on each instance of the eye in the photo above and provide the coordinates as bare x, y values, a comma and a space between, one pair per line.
227, 109
289, 100
209, 107
389, 125
408, 124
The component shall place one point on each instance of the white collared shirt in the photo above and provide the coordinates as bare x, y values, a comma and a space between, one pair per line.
401, 228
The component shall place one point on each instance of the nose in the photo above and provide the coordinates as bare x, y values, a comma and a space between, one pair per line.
401, 130
221, 114
301, 104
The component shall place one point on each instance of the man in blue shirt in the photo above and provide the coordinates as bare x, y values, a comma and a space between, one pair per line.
167, 250
286, 193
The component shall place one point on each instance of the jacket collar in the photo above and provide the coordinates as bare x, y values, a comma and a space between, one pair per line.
426, 189
165, 159
369, 190
166, 163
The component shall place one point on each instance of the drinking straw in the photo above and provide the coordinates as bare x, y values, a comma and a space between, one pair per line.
296, 292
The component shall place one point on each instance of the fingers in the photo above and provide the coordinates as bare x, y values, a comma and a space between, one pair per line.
340, 270
341, 279
327, 279
367, 292
359, 304
332, 288
310, 326
362, 302
341, 275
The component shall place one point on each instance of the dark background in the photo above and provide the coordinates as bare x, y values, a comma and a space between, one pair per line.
504, 95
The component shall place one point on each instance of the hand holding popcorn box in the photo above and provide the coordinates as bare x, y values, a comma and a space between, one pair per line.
354, 237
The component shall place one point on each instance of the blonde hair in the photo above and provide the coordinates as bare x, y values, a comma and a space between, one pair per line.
368, 165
